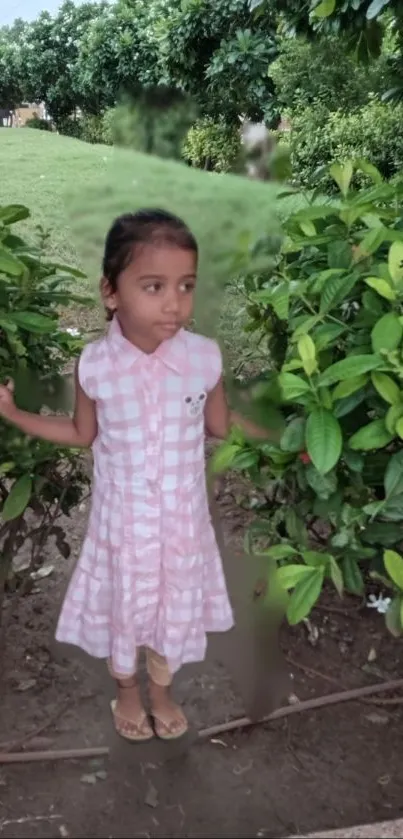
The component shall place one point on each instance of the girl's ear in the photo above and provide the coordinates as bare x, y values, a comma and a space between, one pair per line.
108, 296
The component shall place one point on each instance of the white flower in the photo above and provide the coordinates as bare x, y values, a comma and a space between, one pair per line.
75, 333
380, 603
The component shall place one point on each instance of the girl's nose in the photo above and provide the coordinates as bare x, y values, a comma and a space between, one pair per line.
171, 302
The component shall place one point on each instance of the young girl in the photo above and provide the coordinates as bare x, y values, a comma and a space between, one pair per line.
150, 573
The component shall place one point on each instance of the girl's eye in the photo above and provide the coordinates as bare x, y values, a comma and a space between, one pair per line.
187, 287
153, 288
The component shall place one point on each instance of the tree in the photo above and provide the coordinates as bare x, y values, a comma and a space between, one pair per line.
220, 54
119, 55
301, 82
11, 89
49, 53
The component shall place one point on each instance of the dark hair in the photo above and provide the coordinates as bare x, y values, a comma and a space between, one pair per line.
146, 227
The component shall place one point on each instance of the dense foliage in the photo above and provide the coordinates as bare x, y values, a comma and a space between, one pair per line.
212, 144
38, 481
330, 315
319, 137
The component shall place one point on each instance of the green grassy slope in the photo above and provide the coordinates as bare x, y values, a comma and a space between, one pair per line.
76, 189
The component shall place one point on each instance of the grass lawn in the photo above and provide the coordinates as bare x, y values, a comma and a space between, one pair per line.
75, 190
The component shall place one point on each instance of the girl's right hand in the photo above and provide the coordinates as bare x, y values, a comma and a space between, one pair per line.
7, 404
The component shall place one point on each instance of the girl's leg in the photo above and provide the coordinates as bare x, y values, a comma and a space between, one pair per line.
169, 720
130, 717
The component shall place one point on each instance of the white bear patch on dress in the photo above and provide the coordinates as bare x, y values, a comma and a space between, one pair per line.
195, 404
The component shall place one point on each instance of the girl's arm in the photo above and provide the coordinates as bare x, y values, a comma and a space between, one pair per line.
219, 418
78, 432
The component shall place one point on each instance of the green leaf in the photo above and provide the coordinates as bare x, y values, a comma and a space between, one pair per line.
327, 334
308, 228
393, 480
5, 468
18, 498
399, 427
280, 300
9, 264
375, 8
323, 439
395, 262
335, 290
387, 333
290, 575
349, 386
392, 417
324, 9
349, 368
382, 287
336, 576
316, 559
382, 533
13, 213
353, 579
305, 595
341, 173
323, 485
372, 436
280, 551
372, 240
33, 322
293, 439
354, 460
394, 565
307, 352
368, 168
292, 386
393, 617
339, 254
387, 388
223, 457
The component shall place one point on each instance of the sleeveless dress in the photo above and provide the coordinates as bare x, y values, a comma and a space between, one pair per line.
150, 573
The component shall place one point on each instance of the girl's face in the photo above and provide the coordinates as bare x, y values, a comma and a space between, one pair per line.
154, 296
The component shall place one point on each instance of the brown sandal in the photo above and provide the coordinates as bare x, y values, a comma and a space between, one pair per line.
170, 729
137, 731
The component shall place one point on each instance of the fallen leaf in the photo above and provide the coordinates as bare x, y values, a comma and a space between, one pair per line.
151, 798
43, 572
88, 779
378, 717
26, 684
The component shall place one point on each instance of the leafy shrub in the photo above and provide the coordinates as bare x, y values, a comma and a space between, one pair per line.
300, 80
147, 128
373, 132
38, 481
92, 129
212, 145
330, 315
70, 127
38, 123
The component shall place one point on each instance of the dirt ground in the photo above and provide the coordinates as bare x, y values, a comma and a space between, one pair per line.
314, 770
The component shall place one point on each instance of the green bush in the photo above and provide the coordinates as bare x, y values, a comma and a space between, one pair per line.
212, 145
324, 72
38, 123
92, 129
38, 481
373, 132
158, 131
330, 315
70, 127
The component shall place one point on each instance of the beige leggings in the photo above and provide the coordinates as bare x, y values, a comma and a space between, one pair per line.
157, 669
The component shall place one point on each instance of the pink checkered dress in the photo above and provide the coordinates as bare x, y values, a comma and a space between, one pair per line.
150, 573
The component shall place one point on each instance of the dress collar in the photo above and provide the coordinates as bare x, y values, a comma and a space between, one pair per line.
172, 352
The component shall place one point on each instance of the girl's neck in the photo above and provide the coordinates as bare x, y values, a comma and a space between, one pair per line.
141, 341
